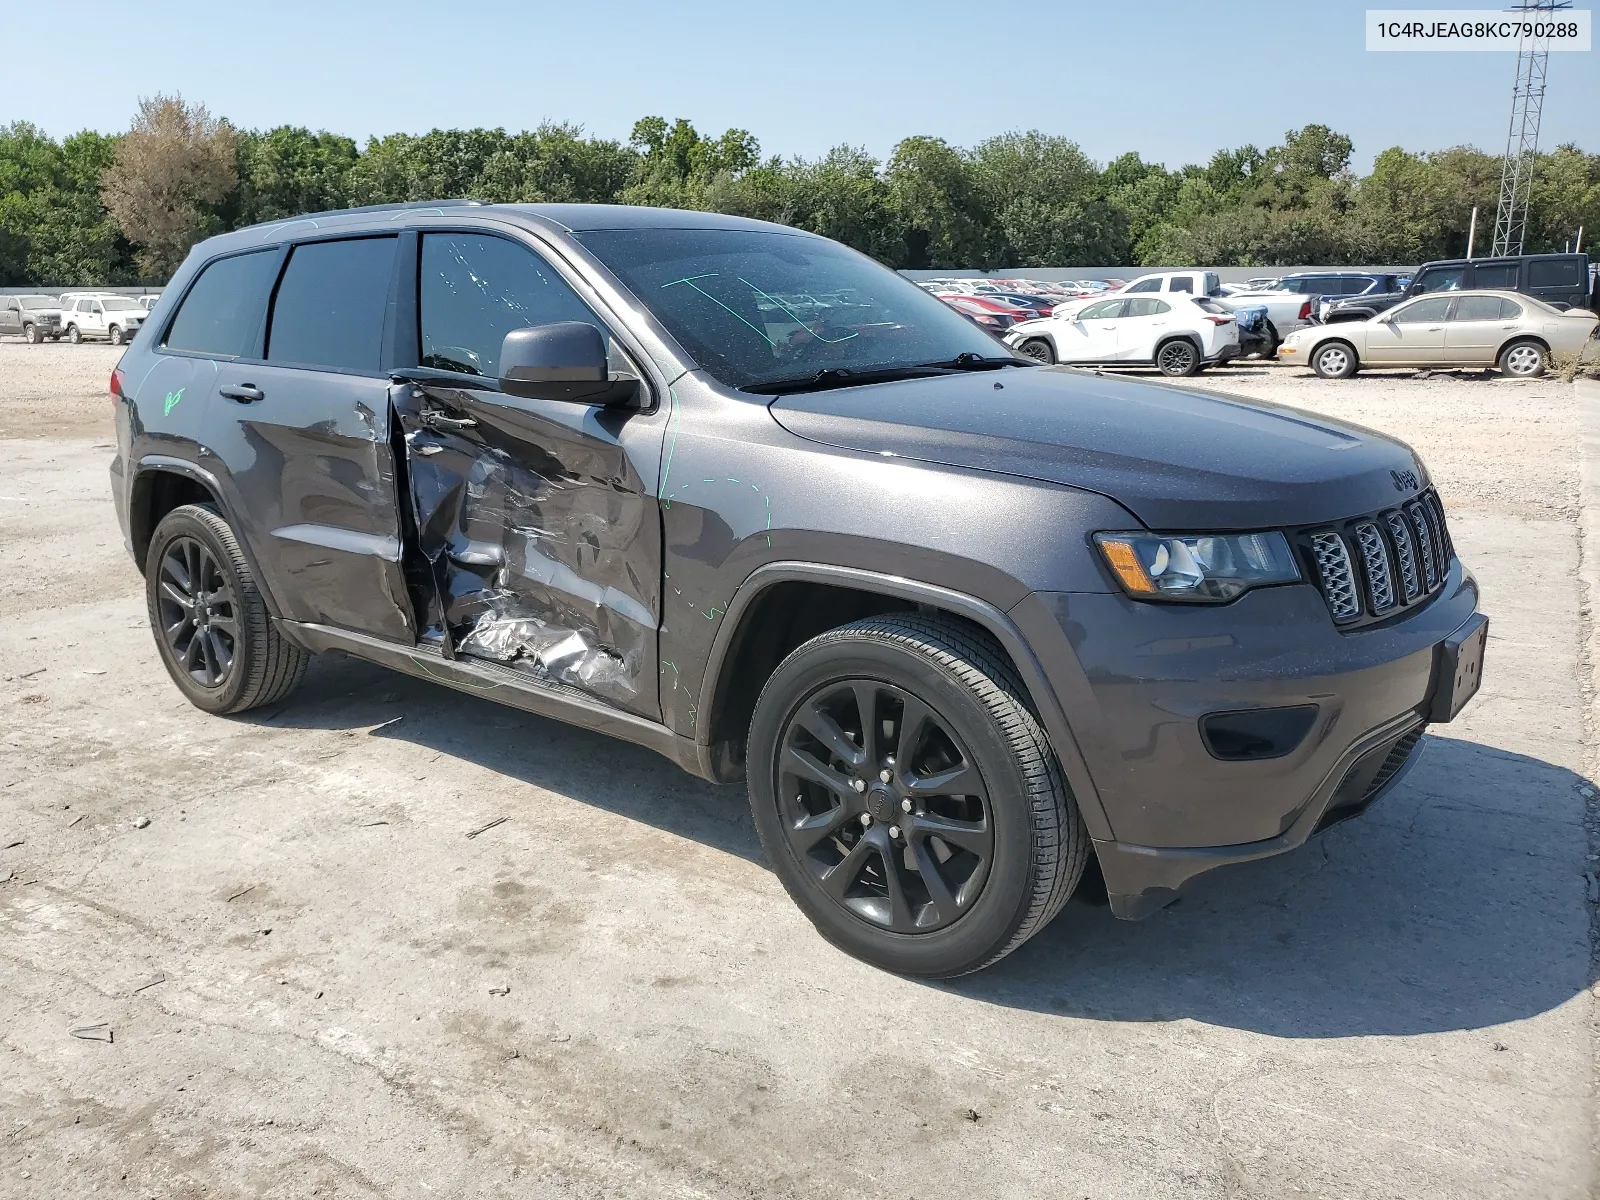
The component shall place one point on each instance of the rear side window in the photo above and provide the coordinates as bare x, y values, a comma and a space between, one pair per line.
1495, 275
330, 305
1478, 308
1180, 283
1554, 272
222, 313
1148, 285
475, 289
1440, 279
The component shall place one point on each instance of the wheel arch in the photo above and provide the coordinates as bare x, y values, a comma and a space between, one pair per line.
1183, 336
161, 484
1324, 343
1522, 337
754, 637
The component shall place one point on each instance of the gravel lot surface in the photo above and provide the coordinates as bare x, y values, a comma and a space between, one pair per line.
316, 983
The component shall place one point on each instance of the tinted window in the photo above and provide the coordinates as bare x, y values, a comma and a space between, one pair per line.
1148, 285
222, 313
1495, 275
1180, 284
1356, 286
475, 289
1440, 279
329, 308
1145, 306
1424, 311
1556, 272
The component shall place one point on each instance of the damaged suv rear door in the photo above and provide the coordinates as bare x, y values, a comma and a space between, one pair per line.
538, 543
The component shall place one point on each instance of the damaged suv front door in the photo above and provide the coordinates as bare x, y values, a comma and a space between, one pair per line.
539, 542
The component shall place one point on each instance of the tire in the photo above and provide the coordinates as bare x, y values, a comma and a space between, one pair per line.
1178, 357
73, 335
1523, 359
1040, 350
233, 628
1273, 342
977, 717
115, 333
31, 334
1335, 360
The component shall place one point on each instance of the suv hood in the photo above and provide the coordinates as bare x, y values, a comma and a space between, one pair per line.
1177, 458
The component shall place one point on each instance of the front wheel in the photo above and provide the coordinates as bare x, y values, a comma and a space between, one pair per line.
1178, 357
1523, 360
115, 334
1335, 360
210, 622
1040, 350
907, 797
74, 335
31, 335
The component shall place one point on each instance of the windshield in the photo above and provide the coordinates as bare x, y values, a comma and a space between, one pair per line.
757, 308
39, 302
113, 304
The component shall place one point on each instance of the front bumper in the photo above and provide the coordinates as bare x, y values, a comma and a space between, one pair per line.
1134, 681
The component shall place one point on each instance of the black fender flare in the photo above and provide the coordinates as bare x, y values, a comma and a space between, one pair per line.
981, 612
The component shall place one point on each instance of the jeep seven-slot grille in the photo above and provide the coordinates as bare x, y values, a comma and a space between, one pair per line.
1374, 566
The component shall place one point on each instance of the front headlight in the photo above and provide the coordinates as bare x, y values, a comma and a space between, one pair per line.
1209, 568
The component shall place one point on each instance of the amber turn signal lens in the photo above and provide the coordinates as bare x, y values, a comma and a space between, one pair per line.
1125, 562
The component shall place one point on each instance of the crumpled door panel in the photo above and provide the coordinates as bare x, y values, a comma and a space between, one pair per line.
539, 547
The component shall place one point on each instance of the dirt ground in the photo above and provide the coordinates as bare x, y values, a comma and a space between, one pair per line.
316, 982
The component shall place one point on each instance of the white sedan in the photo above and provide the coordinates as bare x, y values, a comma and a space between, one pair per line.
1446, 329
1177, 333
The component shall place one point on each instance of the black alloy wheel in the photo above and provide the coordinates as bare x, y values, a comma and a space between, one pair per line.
907, 797
211, 624
1039, 350
1178, 357
198, 612
884, 805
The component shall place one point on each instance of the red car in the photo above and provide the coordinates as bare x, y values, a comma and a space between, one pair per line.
991, 312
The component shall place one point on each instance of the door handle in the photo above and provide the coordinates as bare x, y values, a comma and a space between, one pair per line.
245, 393
435, 420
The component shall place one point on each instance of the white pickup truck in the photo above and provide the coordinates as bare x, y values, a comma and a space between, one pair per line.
1286, 311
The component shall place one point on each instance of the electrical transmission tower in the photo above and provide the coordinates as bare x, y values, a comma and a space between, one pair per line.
1522, 140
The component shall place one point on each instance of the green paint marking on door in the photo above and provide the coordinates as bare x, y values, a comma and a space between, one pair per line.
172, 402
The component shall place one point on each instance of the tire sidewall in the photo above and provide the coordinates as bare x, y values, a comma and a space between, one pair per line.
1049, 358
74, 334
30, 334
1001, 905
188, 522
115, 335
1345, 349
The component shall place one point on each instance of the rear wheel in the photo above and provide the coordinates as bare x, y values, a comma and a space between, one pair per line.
1523, 360
908, 799
73, 335
1335, 360
210, 622
1040, 350
1178, 357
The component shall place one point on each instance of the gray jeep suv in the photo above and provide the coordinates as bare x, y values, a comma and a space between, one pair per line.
739, 494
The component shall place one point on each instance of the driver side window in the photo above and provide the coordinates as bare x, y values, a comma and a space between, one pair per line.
475, 288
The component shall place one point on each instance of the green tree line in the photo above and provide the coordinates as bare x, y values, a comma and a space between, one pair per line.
95, 208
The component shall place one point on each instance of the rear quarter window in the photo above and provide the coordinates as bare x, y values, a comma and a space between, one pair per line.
221, 315
1560, 272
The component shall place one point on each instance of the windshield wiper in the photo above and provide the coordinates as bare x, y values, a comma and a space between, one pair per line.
837, 377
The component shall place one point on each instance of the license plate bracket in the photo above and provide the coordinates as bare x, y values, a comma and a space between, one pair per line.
1458, 669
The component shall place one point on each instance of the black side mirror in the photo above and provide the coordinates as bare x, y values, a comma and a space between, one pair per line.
562, 361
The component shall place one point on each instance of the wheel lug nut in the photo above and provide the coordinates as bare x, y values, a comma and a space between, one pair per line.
885, 776
905, 805
894, 831
860, 785
866, 820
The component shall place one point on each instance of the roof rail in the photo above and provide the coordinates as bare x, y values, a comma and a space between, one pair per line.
372, 208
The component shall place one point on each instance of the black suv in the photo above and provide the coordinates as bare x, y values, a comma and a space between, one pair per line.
741, 495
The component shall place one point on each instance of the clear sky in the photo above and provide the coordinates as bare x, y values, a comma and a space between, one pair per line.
1175, 81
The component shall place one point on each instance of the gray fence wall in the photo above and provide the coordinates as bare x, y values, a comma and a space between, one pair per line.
56, 291
1056, 274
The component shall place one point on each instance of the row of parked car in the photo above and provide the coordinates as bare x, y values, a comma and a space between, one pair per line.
76, 316
1513, 313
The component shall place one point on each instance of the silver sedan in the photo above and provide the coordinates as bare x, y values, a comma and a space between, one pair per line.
1508, 330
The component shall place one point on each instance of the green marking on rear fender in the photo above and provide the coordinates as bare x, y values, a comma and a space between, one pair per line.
172, 402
